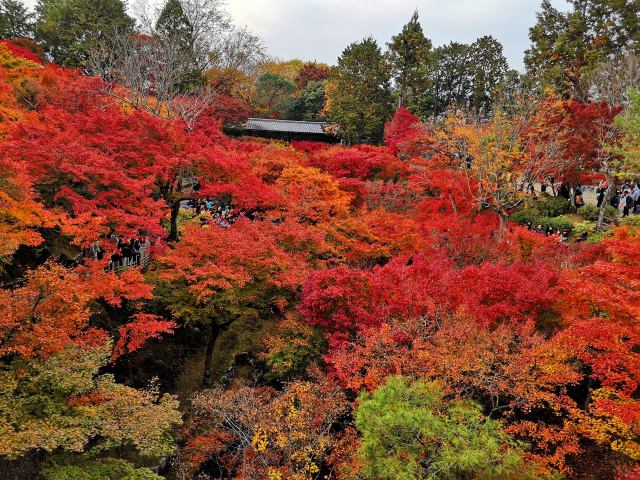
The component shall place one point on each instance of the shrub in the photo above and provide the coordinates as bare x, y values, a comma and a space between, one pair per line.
549, 206
103, 469
409, 430
523, 217
557, 223
583, 227
591, 212
599, 236
632, 221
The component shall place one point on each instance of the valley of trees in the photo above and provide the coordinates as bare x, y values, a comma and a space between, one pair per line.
452, 292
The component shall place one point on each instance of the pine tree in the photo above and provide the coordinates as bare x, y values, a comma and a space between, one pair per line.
410, 58
174, 26
488, 69
410, 431
567, 46
15, 20
450, 79
173, 23
360, 100
69, 29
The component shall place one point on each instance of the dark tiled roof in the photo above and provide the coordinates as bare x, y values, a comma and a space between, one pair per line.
287, 126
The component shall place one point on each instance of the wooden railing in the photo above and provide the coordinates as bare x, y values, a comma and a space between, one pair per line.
139, 261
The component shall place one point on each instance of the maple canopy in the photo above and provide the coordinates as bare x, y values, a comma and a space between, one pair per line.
366, 311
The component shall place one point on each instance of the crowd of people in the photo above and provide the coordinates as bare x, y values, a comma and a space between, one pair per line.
126, 253
218, 211
129, 253
561, 234
550, 187
626, 197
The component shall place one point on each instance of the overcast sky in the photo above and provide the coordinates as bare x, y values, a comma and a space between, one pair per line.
321, 29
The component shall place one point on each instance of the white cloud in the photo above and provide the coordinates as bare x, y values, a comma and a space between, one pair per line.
321, 29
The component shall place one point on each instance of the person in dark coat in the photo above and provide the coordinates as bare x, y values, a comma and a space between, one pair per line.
627, 206
615, 200
578, 197
601, 191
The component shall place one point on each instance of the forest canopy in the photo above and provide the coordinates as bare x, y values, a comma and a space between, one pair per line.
449, 290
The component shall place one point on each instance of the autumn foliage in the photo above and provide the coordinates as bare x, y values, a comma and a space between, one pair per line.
357, 271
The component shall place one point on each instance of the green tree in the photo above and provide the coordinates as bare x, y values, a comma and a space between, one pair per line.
560, 50
65, 404
628, 163
360, 99
273, 92
567, 46
102, 469
614, 22
488, 69
308, 104
15, 20
450, 79
510, 90
173, 23
69, 29
409, 56
468, 76
409, 431
176, 29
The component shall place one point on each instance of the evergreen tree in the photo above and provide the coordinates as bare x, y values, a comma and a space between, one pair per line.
173, 23
627, 165
567, 46
308, 104
410, 431
559, 51
69, 29
450, 79
360, 100
409, 57
15, 20
175, 28
614, 22
273, 94
488, 68
467, 76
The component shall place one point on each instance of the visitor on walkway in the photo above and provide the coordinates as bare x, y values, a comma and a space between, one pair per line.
578, 198
615, 200
564, 191
635, 194
627, 204
601, 191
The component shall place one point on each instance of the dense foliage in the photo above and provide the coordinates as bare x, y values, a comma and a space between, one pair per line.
221, 307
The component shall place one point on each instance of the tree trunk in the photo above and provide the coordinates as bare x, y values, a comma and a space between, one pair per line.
572, 197
207, 378
603, 206
173, 232
504, 222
